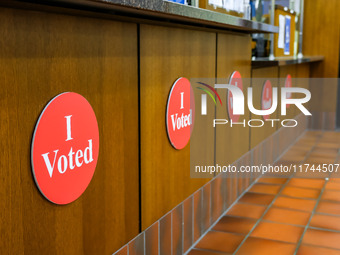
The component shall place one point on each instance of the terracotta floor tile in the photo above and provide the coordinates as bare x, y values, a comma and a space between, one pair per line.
300, 148
204, 252
331, 134
265, 189
295, 203
322, 238
328, 156
293, 158
328, 145
247, 211
306, 183
220, 241
332, 185
305, 144
278, 232
257, 246
325, 152
272, 180
315, 159
300, 192
314, 250
309, 139
256, 198
328, 207
331, 195
309, 174
287, 216
235, 225
326, 222
335, 175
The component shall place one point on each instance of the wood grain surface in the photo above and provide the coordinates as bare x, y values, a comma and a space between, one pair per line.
165, 55
233, 54
321, 36
260, 76
42, 55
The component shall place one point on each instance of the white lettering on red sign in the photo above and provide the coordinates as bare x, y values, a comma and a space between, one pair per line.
65, 148
180, 113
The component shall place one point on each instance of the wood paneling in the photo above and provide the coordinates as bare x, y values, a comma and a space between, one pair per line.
303, 78
233, 54
259, 77
321, 36
165, 55
42, 55
284, 71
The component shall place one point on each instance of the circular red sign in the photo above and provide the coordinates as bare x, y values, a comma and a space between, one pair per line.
267, 98
180, 113
288, 84
65, 148
236, 80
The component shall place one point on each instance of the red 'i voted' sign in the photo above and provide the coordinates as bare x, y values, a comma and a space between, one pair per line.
235, 80
180, 113
288, 84
65, 148
267, 98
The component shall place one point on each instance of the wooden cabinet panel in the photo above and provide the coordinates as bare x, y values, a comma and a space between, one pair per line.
260, 76
283, 72
321, 36
42, 55
233, 54
165, 55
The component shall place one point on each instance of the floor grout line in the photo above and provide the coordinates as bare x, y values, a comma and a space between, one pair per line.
314, 145
313, 212
211, 251
262, 216
309, 221
244, 192
321, 246
219, 218
278, 194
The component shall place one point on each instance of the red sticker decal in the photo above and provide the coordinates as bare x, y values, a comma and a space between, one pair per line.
288, 84
65, 148
235, 80
267, 98
180, 113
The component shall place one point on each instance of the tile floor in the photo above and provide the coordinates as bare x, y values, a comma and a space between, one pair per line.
292, 215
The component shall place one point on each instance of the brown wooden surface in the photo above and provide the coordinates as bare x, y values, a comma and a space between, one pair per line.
260, 75
321, 36
303, 75
167, 54
42, 55
283, 73
233, 54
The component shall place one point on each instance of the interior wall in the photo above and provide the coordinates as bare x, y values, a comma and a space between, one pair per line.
321, 36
